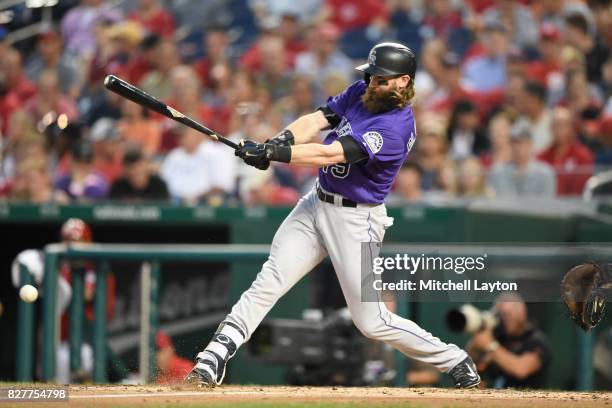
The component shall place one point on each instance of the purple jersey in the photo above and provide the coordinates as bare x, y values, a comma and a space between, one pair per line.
386, 137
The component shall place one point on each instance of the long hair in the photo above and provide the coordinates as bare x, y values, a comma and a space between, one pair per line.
392, 100
406, 95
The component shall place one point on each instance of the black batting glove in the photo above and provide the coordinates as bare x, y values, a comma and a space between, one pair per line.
259, 155
253, 154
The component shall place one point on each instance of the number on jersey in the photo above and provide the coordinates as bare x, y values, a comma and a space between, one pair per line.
340, 170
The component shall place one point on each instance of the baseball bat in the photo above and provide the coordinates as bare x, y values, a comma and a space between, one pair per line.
134, 94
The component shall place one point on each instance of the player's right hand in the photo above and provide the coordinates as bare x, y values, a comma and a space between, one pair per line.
254, 154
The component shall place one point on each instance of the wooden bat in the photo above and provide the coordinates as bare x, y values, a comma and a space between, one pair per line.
134, 94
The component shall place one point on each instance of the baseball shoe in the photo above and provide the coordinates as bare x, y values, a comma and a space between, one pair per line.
209, 369
464, 374
204, 373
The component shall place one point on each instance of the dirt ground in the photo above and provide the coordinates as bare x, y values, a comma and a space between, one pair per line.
272, 396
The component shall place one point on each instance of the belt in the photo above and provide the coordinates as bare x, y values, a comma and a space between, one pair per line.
328, 198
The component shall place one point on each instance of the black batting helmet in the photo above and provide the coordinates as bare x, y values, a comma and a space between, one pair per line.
390, 59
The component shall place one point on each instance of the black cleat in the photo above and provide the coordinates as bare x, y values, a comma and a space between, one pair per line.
209, 369
204, 373
465, 374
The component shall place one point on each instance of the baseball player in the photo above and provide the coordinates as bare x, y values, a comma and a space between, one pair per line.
373, 131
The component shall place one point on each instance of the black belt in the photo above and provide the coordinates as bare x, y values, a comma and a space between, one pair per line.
328, 198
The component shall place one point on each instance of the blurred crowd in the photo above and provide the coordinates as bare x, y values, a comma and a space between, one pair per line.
514, 97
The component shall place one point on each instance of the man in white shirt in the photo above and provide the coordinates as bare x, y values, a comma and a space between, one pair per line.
199, 169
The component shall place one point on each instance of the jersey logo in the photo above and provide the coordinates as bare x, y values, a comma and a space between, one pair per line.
374, 141
344, 128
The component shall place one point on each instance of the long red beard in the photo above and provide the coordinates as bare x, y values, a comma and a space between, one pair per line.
383, 102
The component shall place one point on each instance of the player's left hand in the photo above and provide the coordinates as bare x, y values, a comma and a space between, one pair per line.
254, 154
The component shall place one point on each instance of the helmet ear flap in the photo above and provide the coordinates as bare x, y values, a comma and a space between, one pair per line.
366, 78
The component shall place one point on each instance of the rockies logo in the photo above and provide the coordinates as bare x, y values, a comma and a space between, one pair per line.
372, 58
374, 141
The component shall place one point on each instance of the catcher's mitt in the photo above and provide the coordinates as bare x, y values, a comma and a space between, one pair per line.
582, 292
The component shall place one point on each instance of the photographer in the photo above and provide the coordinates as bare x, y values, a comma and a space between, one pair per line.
513, 353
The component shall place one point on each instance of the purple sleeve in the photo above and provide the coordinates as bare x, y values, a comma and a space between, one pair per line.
382, 145
343, 100
385, 142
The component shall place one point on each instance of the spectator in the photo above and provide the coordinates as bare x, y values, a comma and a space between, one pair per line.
323, 57
274, 77
512, 103
200, 14
488, 72
446, 183
572, 161
442, 19
547, 68
22, 141
16, 80
51, 99
471, 181
107, 149
431, 153
34, 184
580, 96
261, 188
407, 186
218, 54
523, 175
15, 88
157, 81
137, 128
430, 73
82, 183
137, 182
143, 61
595, 51
453, 88
533, 107
79, 23
514, 354
116, 44
551, 12
518, 20
171, 368
198, 170
290, 30
49, 56
300, 101
464, 132
499, 135
154, 18
185, 97
354, 15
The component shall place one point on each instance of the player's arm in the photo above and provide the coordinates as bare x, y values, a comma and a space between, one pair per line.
344, 150
307, 127
292, 144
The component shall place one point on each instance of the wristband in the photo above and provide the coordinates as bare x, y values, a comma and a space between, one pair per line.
284, 138
278, 153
